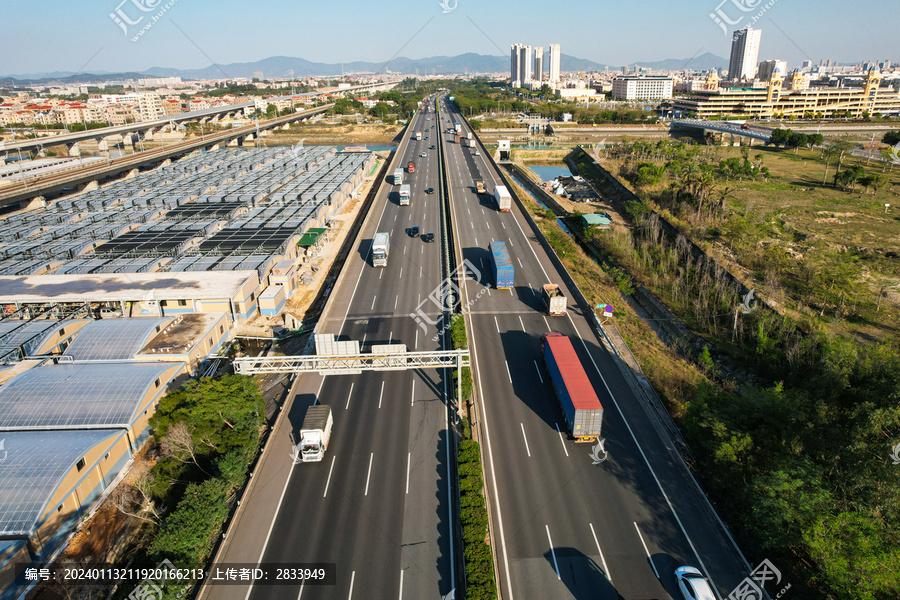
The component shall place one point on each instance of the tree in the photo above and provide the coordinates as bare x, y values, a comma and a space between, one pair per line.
271, 111
797, 141
891, 138
781, 136
815, 139
222, 413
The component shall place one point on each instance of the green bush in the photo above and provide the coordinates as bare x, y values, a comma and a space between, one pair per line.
187, 535
474, 518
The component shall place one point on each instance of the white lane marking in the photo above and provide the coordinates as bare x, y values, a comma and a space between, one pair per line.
481, 260
280, 500
510, 291
390, 337
395, 217
396, 300
381, 395
412, 396
401, 584
380, 275
520, 262
371, 456
468, 211
327, 481
511, 242
497, 324
522, 323
555, 564
561, 440
401, 273
603, 560
422, 249
350, 395
373, 301
365, 335
416, 345
503, 224
420, 268
538, 369
508, 374
352, 577
472, 224
482, 211
525, 437
408, 462
547, 324
650, 558
476, 240
404, 249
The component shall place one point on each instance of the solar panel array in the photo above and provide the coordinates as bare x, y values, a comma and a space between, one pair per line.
24, 336
113, 339
35, 463
190, 207
93, 395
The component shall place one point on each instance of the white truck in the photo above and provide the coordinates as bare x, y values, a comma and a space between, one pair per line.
554, 299
504, 200
398, 176
315, 433
380, 248
419, 136
404, 194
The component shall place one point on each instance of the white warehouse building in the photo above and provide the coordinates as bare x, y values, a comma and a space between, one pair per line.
642, 87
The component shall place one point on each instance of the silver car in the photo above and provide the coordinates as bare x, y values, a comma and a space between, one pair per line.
693, 585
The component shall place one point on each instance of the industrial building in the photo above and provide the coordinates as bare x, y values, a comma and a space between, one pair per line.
111, 298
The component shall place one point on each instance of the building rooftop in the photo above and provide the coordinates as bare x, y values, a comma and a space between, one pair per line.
122, 286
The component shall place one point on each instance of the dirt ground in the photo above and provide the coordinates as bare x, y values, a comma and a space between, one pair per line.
339, 134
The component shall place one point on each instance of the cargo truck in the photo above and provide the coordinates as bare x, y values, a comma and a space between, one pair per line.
576, 396
479, 187
504, 276
419, 136
458, 127
504, 200
398, 176
554, 299
315, 433
380, 249
404, 195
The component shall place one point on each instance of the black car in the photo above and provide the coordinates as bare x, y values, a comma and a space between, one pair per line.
428, 238
413, 231
429, 190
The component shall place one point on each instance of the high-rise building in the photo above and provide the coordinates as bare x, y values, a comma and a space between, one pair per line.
768, 68
525, 64
555, 55
744, 53
538, 74
515, 79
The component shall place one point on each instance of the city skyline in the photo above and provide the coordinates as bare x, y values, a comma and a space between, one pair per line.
192, 35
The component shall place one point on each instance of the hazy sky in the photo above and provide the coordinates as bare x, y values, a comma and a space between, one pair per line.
80, 35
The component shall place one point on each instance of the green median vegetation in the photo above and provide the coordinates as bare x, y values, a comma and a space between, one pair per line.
474, 519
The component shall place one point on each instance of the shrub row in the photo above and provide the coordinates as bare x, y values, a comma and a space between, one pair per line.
474, 518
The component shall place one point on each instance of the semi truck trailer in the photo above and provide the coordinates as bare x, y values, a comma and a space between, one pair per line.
504, 200
576, 396
504, 275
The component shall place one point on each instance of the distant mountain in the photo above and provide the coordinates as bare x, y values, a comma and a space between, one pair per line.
705, 61
281, 66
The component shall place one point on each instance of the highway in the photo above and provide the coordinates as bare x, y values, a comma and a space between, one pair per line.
564, 527
378, 505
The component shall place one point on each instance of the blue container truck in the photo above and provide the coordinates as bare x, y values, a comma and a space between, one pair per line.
502, 266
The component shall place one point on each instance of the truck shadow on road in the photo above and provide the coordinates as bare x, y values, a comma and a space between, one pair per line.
583, 577
522, 350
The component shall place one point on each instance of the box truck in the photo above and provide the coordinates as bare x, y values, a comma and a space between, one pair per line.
504, 200
501, 266
315, 432
576, 396
398, 176
404, 194
380, 248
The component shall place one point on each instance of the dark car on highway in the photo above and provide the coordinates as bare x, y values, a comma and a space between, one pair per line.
428, 238
413, 231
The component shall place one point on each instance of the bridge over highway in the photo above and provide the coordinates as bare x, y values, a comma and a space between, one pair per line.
143, 128
755, 133
27, 189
